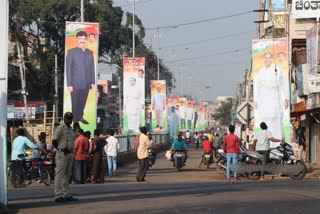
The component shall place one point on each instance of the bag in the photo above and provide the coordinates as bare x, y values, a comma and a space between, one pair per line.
136, 142
168, 154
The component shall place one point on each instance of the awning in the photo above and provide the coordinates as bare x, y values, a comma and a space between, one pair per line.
297, 113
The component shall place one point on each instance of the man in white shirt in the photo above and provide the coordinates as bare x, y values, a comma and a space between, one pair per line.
158, 105
262, 145
111, 149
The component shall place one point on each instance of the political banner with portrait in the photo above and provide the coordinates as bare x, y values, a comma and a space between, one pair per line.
190, 115
271, 87
158, 105
133, 94
81, 56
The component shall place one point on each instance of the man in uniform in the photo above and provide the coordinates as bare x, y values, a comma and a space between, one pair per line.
63, 140
80, 76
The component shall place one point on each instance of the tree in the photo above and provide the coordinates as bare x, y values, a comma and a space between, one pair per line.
39, 26
223, 112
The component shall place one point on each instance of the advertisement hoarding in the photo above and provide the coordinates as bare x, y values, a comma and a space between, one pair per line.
81, 57
271, 87
133, 94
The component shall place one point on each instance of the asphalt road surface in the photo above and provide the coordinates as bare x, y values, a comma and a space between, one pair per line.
192, 190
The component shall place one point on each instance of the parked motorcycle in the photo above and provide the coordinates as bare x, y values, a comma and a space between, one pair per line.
280, 157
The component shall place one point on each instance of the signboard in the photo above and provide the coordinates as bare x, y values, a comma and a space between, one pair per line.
242, 112
234, 117
279, 20
312, 48
277, 5
81, 57
303, 9
313, 83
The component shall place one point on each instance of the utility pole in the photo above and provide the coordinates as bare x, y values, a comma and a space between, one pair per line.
82, 11
120, 105
247, 82
133, 30
56, 96
23, 86
158, 53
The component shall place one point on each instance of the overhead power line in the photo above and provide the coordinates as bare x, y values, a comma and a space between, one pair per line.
209, 55
200, 21
206, 40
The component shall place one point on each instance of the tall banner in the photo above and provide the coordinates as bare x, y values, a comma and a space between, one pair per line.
173, 116
133, 94
312, 47
190, 114
4, 10
158, 105
80, 73
271, 87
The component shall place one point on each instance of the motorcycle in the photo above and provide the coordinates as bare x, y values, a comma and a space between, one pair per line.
207, 159
152, 157
196, 143
279, 157
177, 158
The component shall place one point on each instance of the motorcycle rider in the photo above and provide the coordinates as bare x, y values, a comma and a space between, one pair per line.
179, 144
206, 149
261, 144
196, 139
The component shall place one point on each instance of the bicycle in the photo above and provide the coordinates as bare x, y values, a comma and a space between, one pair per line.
25, 170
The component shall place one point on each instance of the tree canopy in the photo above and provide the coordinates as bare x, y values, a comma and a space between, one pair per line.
39, 26
223, 112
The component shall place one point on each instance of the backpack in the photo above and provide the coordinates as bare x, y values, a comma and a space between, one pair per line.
136, 142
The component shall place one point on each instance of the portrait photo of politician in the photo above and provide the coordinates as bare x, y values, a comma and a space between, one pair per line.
80, 74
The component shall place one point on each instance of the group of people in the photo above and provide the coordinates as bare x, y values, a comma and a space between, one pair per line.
261, 144
78, 157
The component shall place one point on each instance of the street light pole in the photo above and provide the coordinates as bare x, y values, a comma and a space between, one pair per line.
158, 53
82, 11
133, 30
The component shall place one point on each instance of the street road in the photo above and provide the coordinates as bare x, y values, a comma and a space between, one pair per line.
192, 190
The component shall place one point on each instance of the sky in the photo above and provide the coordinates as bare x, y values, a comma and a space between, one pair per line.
209, 58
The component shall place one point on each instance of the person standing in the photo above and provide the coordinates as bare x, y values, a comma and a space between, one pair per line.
189, 115
158, 105
261, 144
63, 140
97, 152
80, 76
301, 141
111, 149
80, 152
143, 156
42, 154
231, 148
